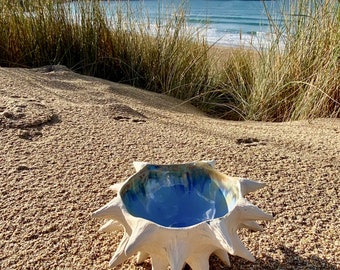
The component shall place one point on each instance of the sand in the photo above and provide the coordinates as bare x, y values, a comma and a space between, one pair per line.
65, 138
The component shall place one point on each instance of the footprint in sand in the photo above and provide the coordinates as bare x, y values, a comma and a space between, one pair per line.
123, 113
248, 141
26, 115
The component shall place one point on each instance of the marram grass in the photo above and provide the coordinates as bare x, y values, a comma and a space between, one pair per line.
302, 79
297, 76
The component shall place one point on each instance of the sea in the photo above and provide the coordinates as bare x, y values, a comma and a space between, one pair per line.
234, 23
224, 22
221, 22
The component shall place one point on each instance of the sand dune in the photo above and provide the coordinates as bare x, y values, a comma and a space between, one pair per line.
65, 138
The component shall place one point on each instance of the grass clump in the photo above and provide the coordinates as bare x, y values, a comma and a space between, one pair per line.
112, 44
296, 76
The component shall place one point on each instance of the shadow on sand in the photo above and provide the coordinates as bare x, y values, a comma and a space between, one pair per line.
291, 260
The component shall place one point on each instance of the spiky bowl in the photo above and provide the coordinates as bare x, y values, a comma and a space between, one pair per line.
181, 213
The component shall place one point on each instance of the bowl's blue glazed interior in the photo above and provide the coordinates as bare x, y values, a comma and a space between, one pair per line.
174, 195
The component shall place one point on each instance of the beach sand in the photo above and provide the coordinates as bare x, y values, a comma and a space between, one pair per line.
65, 138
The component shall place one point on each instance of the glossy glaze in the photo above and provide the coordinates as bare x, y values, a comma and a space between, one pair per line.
175, 195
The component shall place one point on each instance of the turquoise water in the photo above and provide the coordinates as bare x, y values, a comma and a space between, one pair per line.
233, 22
229, 23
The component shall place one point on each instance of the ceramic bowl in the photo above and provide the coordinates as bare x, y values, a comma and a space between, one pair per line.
181, 213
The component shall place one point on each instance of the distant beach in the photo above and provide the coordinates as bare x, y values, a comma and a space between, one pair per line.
225, 23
